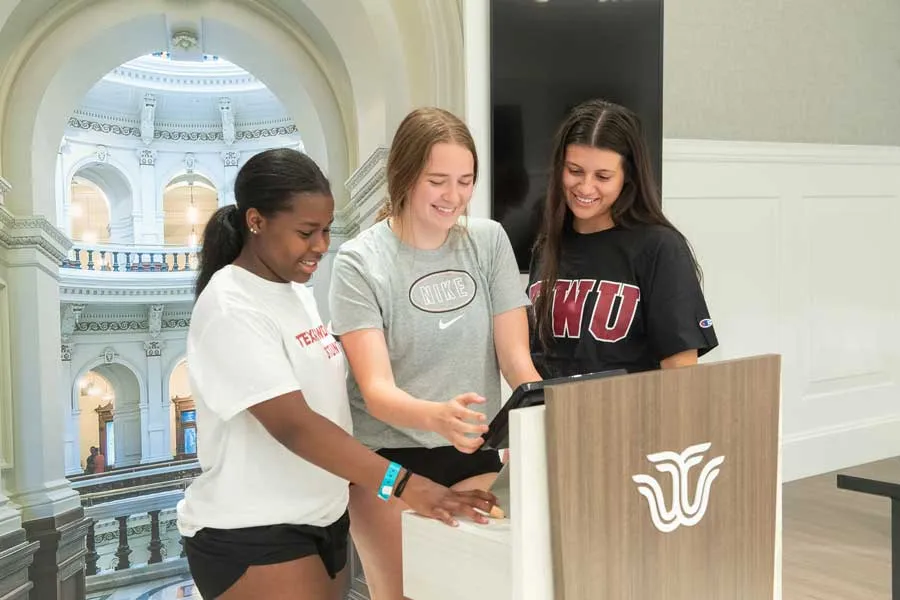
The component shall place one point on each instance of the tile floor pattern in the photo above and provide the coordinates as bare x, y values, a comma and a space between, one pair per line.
179, 588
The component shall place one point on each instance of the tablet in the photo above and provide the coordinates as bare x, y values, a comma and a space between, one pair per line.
530, 394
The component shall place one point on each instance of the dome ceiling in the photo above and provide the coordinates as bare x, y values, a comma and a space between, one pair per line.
187, 94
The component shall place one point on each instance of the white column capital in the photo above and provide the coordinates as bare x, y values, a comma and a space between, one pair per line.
154, 348
231, 158
147, 157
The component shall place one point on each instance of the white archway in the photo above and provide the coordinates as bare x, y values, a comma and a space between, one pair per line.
130, 397
113, 180
346, 72
100, 37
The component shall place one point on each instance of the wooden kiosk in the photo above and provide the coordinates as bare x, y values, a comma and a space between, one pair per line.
660, 485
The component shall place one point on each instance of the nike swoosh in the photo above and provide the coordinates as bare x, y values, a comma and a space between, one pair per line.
442, 325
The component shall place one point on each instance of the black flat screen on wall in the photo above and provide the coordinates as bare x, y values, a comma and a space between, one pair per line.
547, 56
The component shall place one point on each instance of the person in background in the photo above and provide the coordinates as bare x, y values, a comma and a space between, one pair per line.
99, 462
613, 283
267, 517
89, 461
430, 311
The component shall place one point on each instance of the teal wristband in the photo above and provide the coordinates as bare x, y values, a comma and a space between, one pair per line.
386, 490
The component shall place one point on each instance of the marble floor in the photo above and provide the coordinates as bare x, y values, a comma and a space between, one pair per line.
179, 588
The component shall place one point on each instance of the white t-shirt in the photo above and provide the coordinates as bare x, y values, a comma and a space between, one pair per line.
251, 340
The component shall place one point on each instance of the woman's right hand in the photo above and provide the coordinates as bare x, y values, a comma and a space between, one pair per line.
454, 420
433, 500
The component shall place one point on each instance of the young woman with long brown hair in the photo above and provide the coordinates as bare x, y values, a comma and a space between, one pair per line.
614, 284
430, 311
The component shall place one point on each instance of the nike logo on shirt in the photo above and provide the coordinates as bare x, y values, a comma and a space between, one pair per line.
442, 326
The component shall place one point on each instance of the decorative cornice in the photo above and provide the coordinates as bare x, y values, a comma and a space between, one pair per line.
5, 188
212, 133
376, 161
118, 326
129, 292
33, 232
363, 185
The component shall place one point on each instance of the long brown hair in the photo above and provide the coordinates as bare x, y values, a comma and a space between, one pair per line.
418, 132
604, 125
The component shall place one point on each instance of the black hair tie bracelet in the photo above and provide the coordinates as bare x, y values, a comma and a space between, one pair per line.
401, 485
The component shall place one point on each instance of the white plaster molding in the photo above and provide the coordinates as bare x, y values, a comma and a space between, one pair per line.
152, 319
181, 132
125, 287
231, 158
153, 348
5, 188
33, 232
71, 315
147, 157
367, 187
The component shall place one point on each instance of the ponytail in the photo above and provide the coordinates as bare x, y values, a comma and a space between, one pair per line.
223, 239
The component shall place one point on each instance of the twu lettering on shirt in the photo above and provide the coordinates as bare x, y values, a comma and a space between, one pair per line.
317, 334
570, 299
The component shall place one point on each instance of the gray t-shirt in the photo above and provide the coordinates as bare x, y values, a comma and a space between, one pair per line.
436, 309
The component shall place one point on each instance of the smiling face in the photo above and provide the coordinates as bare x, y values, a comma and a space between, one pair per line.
592, 180
443, 190
291, 243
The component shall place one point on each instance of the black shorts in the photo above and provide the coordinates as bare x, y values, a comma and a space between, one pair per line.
445, 465
219, 557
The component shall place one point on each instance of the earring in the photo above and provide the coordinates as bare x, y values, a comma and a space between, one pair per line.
253, 231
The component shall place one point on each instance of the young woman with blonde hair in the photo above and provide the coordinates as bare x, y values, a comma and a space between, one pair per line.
430, 311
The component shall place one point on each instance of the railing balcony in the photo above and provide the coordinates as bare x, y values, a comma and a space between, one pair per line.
131, 258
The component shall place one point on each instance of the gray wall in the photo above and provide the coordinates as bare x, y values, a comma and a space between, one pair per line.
824, 71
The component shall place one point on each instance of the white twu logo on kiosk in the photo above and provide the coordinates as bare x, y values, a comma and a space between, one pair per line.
684, 511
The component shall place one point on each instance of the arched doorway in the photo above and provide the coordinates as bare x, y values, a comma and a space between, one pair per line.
108, 399
189, 200
96, 404
183, 414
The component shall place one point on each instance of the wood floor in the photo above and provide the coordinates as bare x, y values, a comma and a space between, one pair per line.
837, 544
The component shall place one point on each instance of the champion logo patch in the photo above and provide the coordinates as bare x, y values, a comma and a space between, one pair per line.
705, 323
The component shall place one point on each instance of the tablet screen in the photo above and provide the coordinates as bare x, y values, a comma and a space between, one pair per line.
530, 394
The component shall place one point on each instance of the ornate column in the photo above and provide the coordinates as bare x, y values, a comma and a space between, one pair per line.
51, 509
71, 313
230, 159
146, 204
158, 446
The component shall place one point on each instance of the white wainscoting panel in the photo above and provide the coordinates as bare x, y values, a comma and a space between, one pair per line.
800, 249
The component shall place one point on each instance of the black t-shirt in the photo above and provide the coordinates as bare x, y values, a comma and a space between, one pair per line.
625, 299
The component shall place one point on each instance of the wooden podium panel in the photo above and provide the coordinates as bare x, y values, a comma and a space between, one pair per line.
610, 442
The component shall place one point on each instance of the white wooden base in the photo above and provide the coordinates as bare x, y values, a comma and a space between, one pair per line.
449, 563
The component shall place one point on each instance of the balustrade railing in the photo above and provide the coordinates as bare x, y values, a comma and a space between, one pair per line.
131, 259
132, 481
133, 533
